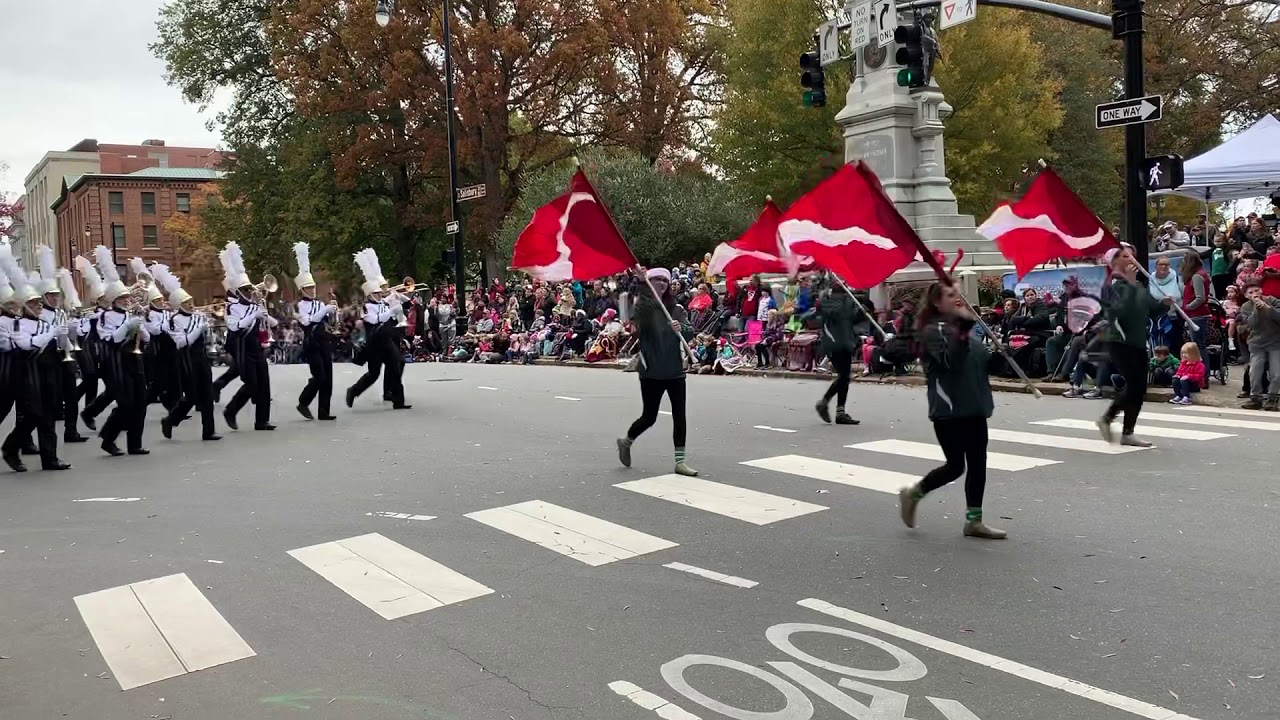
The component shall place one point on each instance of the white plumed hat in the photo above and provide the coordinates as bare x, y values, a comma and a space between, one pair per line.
139, 269
367, 261
22, 290
48, 271
92, 280
70, 297
233, 267
170, 284
112, 288
303, 254
6, 289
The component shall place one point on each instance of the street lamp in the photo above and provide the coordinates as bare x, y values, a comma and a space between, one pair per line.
382, 13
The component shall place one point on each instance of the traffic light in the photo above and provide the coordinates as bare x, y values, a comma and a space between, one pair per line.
1162, 172
910, 56
812, 78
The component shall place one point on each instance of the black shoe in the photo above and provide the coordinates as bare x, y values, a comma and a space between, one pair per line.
77, 438
844, 419
824, 411
166, 428
217, 396
88, 419
55, 465
230, 419
14, 461
351, 397
387, 398
111, 449
402, 407
305, 412
30, 450
327, 417
211, 438
139, 451
268, 426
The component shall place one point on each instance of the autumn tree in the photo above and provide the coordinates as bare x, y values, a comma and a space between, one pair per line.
195, 252
8, 209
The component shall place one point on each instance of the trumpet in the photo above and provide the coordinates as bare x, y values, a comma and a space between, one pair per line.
268, 284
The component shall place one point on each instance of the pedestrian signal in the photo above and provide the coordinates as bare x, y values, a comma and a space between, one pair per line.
1163, 172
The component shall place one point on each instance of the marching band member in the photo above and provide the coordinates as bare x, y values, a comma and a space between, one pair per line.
393, 378
10, 358
378, 319
187, 330
234, 341
317, 343
161, 356
76, 354
61, 390
255, 377
37, 383
87, 358
123, 332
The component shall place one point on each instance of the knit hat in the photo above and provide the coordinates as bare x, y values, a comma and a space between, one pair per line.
659, 274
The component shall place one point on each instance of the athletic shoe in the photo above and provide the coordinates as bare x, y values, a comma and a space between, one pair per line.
979, 529
624, 452
907, 503
1131, 440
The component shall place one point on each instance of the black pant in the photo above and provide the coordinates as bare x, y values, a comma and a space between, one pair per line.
320, 359
196, 390
100, 403
651, 395
1130, 362
762, 355
372, 369
234, 341
88, 387
203, 404
841, 362
255, 385
964, 442
35, 413
129, 386
70, 401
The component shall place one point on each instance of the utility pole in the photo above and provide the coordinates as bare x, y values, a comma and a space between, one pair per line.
1127, 27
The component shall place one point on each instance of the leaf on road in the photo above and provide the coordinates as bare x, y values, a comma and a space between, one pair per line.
1100, 582
1055, 587
1175, 695
1116, 610
1257, 677
1231, 682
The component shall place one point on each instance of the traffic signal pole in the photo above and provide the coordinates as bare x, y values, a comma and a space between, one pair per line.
1127, 27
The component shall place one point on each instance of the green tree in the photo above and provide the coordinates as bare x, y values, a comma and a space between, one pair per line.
666, 214
1005, 105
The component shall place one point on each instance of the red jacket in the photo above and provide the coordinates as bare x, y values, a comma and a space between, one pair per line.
1194, 370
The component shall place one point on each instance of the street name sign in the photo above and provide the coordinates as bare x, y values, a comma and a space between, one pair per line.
829, 43
1129, 112
886, 17
451, 227
860, 25
955, 12
474, 192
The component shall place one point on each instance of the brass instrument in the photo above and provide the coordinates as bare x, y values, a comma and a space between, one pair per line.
268, 284
331, 323
138, 297
69, 345
409, 286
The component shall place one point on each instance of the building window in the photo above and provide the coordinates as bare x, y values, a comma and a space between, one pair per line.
115, 201
117, 236
183, 202
150, 238
148, 203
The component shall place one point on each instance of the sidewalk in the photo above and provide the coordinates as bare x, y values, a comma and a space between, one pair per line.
1217, 395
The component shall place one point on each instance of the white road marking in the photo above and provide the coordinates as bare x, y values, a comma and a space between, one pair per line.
1259, 414
565, 397
1156, 431
400, 516
108, 499
1105, 697
1061, 442
649, 701
735, 502
1228, 423
766, 427
485, 387
712, 575
928, 451
387, 577
582, 537
158, 629
886, 481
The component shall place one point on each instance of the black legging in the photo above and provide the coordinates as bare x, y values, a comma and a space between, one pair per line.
964, 442
841, 362
651, 395
762, 354
1130, 361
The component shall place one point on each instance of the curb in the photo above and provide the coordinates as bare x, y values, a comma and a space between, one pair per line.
1158, 395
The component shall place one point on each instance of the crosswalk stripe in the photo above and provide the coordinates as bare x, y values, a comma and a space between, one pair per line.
926, 451
1061, 442
158, 629
1173, 433
740, 503
1259, 414
582, 537
1229, 423
867, 478
387, 577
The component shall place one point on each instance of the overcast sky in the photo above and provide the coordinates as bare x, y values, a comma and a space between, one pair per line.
75, 69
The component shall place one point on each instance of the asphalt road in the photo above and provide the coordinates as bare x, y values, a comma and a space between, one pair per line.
1134, 585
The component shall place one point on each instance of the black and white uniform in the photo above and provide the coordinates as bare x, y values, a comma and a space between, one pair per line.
255, 377
162, 371
124, 376
195, 376
37, 380
87, 358
10, 361
233, 344
317, 347
377, 339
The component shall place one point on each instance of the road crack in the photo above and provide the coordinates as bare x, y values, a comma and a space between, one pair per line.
551, 709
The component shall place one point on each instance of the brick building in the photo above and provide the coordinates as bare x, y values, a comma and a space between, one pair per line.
127, 212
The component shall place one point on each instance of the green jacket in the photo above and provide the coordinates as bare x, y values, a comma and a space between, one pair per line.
1128, 309
661, 353
839, 314
955, 368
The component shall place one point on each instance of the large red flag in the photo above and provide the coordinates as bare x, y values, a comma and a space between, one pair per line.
1049, 223
572, 238
755, 251
848, 225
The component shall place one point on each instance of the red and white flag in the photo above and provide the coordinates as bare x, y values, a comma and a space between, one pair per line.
572, 238
1048, 223
755, 251
848, 225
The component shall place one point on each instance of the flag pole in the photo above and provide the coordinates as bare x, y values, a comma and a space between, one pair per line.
861, 307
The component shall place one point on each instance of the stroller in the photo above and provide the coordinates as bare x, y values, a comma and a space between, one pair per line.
1218, 363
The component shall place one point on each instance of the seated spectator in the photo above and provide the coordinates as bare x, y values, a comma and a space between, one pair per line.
1162, 367
1191, 376
774, 331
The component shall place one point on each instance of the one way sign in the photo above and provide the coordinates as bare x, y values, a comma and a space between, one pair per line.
1129, 112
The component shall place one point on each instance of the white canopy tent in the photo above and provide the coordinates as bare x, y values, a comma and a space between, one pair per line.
1246, 166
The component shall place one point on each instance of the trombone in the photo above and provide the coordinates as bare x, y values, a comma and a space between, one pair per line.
409, 286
